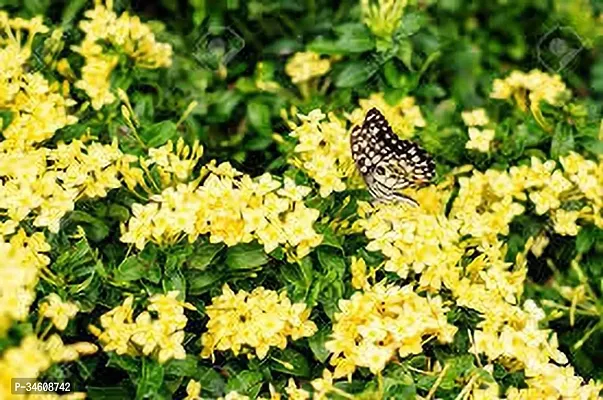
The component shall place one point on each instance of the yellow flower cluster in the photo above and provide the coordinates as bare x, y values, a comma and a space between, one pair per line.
587, 178
174, 162
33, 356
46, 182
304, 66
404, 117
536, 85
521, 341
58, 311
232, 208
464, 252
374, 326
257, 320
125, 33
323, 151
383, 16
38, 108
145, 335
22, 259
173, 165
414, 240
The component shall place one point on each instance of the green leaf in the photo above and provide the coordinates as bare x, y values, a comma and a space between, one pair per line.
586, 238
290, 362
72, 8
352, 38
259, 117
131, 269
175, 281
118, 212
107, 392
457, 367
186, 367
410, 24
158, 134
200, 282
398, 383
96, 229
563, 141
317, 344
593, 145
210, 380
329, 238
404, 53
225, 103
37, 7
246, 256
125, 363
203, 255
151, 378
353, 74
248, 383
331, 260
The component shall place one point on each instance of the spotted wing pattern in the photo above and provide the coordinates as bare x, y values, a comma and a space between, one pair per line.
386, 162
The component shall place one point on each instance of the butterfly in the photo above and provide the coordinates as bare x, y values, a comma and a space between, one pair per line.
387, 163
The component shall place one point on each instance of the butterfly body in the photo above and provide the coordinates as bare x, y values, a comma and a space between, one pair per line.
387, 163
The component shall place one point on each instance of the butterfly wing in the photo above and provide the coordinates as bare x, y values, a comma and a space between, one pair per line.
377, 150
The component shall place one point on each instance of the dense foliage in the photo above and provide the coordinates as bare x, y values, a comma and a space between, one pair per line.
181, 215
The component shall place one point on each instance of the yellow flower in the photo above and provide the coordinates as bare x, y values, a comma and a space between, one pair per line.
383, 16
323, 151
234, 396
193, 390
304, 66
322, 386
477, 117
480, 140
359, 278
545, 200
565, 222
403, 116
57, 311
171, 347
293, 393
23, 256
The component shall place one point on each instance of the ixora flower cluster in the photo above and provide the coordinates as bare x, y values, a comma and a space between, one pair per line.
254, 321
232, 208
38, 108
161, 336
34, 356
126, 34
38, 186
534, 86
46, 183
465, 253
384, 320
